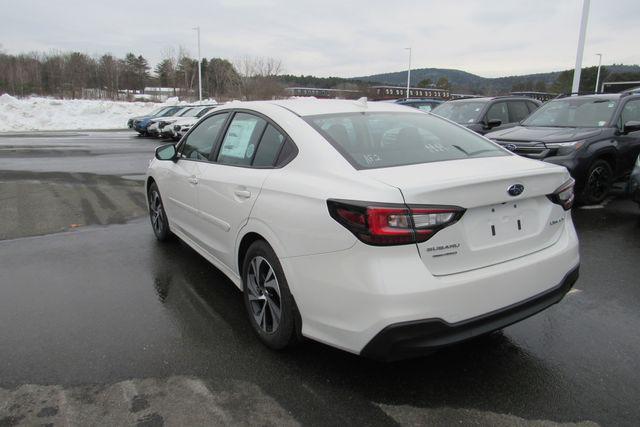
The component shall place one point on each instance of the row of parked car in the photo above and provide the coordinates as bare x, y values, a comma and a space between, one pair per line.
596, 137
169, 122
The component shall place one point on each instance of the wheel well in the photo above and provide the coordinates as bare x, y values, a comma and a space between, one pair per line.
609, 158
149, 182
246, 241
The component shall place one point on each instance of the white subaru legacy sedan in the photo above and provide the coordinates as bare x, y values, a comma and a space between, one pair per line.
372, 227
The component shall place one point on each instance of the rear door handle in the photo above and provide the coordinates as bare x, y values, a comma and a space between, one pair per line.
192, 180
243, 193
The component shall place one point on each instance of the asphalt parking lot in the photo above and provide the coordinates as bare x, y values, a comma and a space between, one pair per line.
99, 323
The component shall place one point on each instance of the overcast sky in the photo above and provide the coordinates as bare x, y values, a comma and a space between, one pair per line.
336, 37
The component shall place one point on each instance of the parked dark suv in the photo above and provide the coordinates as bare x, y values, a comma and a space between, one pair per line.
596, 137
634, 183
484, 115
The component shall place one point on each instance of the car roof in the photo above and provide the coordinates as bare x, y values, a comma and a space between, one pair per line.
418, 100
493, 98
312, 106
606, 96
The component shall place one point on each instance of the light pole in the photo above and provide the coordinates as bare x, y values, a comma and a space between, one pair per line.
408, 71
199, 65
575, 88
598, 75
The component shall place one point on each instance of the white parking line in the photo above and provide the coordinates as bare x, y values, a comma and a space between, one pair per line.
604, 203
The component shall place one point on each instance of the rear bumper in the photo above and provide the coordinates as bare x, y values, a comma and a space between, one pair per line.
349, 297
416, 338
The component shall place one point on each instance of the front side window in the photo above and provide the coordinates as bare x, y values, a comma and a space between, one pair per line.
160, 112
573, 112
169, 112
395, 139
532, 107
462, 112
498, 111
631, 112
184, 112
204, 111
518, 110
240, 141
200, 141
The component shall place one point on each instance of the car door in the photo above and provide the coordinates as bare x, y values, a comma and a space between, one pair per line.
180, 189
497, 111
628, 144
229, 186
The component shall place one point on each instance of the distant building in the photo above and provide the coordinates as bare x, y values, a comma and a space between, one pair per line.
540, 96
464, 96
162, 93
323, 93
616, 87
395, 92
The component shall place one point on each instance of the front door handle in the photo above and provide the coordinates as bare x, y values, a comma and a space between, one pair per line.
243, 193
192, 180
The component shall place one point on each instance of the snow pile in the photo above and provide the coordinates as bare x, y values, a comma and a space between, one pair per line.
36, 113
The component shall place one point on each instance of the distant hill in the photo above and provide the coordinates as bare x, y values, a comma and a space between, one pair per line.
464, 82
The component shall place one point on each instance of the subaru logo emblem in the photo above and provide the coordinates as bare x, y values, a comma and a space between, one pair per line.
515, 190
511, 147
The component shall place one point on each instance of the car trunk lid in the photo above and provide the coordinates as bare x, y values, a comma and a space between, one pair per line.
496, 226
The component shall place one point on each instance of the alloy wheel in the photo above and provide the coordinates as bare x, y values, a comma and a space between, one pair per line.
156, 212
598, 182
264, 295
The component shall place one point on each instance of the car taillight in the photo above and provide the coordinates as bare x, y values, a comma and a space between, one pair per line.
564, 195
392, 224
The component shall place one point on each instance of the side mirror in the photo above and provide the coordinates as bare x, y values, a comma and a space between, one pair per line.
166, 152
631, 126
493, 123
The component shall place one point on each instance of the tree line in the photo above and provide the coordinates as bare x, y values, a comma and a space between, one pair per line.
588, 77
78, 75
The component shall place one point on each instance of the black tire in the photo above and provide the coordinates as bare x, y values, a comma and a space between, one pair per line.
597, 183
157, 214
259, 298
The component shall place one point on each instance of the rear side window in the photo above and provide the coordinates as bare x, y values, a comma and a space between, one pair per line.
269, 147
498, 111
240, 141
376, 140
518, 110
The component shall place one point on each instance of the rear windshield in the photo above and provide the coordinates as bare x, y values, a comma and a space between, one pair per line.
377, 140
573, 112
462, 112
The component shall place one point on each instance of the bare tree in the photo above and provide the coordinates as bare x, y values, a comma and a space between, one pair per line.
259, 77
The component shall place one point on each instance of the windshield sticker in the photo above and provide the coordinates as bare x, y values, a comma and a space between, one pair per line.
611, 104
470, 121
601, 123
436, 148
371, 159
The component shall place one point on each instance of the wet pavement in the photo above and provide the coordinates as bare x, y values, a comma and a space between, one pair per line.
102, 323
